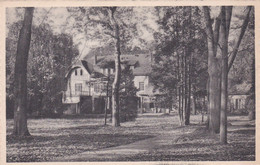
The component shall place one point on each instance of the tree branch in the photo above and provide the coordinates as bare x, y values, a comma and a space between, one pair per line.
228, 19
210, 35
103, 23
242, 32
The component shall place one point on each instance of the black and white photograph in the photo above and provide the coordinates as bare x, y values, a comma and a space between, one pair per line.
129, 83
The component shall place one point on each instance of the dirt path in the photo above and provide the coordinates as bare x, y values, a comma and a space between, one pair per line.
165, 143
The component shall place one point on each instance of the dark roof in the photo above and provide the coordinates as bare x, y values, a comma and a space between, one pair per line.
141, 59
142, 62
97, 75
89, 67
240, 89
104, 62
129, 62
142, 70
109, 50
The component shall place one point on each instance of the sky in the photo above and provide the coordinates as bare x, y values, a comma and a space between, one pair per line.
56, 17
61, 22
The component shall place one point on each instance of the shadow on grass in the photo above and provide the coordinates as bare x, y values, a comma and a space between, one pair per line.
62, 145
246, 132
191, 145
185, 157
10, 139
111, 139
168, 157
85, 127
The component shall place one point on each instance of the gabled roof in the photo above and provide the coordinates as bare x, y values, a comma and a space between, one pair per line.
88, 66
142, 71
240, 89
97, 75
109, 50
91, 69
104, 57
142, 62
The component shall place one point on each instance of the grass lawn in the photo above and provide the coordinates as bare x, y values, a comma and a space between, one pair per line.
202, 146
53, 138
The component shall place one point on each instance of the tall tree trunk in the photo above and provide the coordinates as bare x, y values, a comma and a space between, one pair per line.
179, 88
107, 99
214, 97
116, 83
251, 100
183, 106
214, 73
186, 117
194, 105
20, 76
179, 76
226, 13
187, 70
224, 76
187, 120
208, 114
179, 108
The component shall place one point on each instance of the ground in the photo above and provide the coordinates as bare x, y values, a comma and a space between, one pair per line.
152, 137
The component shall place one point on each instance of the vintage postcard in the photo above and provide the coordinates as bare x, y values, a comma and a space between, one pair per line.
137, 82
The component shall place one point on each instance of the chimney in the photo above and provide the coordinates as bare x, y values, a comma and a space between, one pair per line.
95, 60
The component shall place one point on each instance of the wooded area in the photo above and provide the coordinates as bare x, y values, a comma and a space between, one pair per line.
199, 56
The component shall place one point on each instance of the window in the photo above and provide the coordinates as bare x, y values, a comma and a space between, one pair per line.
132, 67
76, 72
99, 87
78, 87
237, 104
104, 87
141, 86
96, 88
81, 72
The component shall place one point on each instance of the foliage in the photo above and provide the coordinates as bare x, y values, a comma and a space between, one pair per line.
180, 55
108, 26
241, 70
128, 99
95, 25
169, 44
49, 57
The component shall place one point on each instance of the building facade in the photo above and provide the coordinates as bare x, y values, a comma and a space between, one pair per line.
87, 83
86, 89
